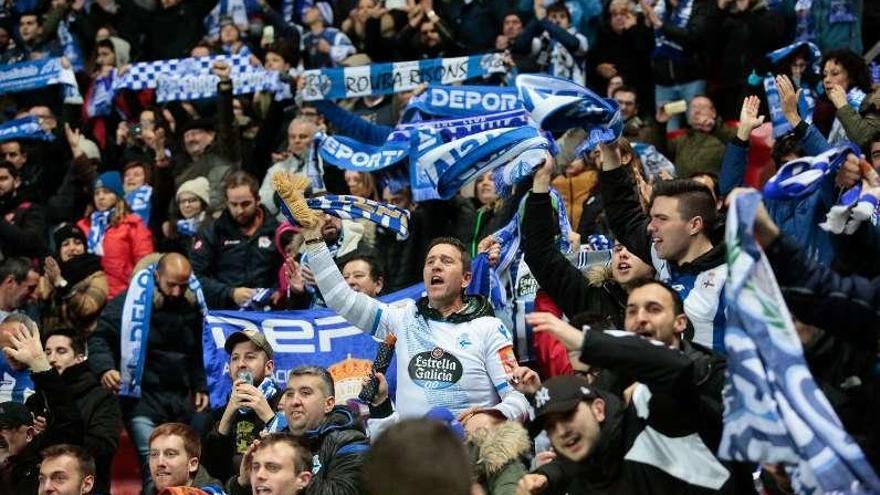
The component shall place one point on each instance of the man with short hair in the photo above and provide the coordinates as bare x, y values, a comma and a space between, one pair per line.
676, 237
277, 463
21, 445
701, 147
67, 470
636, 129
99, 408
22, 221
234, 255
295, 159
450, 341
558, 47
18, 284
171, 388
33, 43
251, 406
333, 433
174, 451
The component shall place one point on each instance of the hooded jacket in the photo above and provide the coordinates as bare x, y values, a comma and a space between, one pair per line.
125, 243
338, 446
700, 283
497, 455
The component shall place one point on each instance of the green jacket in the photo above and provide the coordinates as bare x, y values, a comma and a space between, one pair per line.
699, 152
864, 125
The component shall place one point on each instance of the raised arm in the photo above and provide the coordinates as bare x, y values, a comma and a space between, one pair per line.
622, 207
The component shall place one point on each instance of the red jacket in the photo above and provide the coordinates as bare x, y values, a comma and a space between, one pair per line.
124, 245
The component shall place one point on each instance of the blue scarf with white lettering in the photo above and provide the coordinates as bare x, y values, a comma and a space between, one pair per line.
678, 17
24, 128
438, 169
37, 74
140, 201
558, 105
460, 101
799, 178
134, 329
99, 223
71, 46
100, 102
774, 411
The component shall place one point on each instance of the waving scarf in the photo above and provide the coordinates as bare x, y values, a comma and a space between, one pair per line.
800, 178
99, 223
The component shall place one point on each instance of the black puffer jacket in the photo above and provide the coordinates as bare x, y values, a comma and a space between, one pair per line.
224, 258
101, 418
338, 446
174, 345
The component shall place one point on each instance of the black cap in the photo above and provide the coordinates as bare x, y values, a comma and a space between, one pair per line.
14, 414
560, 394
203, 123
67, 231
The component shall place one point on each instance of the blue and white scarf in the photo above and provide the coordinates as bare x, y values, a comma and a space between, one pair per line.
140, 201
799, 178
852, 209
235, 9
189, 227
353, 207
37, 74
99, 223
389, 78
653, 162
439, 169
268, 389
24, 128
774, 412
460, 101
804, 29
679, 17
191, 78
70, 45
135, 327
100, 102
558, 105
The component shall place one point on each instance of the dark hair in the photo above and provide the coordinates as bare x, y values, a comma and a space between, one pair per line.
559, 7
788, 144
85, 461
854, 65
457, 244
283, 49
241, 178
694, 199
322, 373
10, 168
17, 267
148, 170
105, 43
77, 342
677, 303
627, 89
436, 461
33, 13
302, 459
376, 271
716, 187
596, 320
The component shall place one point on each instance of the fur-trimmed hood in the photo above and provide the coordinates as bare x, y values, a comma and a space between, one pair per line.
495, 448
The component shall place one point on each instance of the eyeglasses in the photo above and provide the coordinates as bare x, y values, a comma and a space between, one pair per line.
186, 201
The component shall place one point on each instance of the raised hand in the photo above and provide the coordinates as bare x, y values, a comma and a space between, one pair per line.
749, 119
837, 95
789, 98
571, 337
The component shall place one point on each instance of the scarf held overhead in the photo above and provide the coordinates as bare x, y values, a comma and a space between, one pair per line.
774, 410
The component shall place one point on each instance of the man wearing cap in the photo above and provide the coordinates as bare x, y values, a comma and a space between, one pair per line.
20, 445
212, 149
22, 221
252, 403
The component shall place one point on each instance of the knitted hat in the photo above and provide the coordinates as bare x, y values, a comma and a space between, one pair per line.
199, 187
110, 180
66, 231
90, 149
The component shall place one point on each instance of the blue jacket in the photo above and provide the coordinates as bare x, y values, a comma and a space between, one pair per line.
352, 125
799, 219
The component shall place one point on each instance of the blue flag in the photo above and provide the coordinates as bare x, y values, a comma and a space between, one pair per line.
774, 412
37, 74
24, 128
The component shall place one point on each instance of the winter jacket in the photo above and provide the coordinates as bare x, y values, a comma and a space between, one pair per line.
497, 456
173, 368
562, 281
20, 473
700, 283
695, 151
862, 126
338, 446
172, 32
224, 258
574, 191
75, 192
641, 443
100, 414
220, 158
22, 227
124, 245
630, 53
